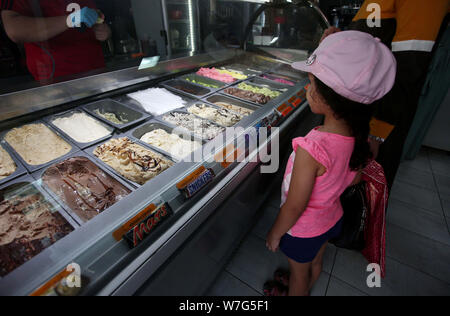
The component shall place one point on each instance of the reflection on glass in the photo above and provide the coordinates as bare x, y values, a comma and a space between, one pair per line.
287, 30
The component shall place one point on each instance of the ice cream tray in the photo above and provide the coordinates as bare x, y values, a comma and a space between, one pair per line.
259, 83
32, 168
122, 111
248, 71
216, 107
270, 84
20, 169
190, 77
225, 99
137, 133
37, 184
37, 175
90, 151
50, 119
186, 88
184, 110
273, 76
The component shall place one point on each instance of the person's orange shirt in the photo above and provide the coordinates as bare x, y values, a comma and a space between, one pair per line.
418, 21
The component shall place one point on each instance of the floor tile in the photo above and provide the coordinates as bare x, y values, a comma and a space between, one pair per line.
274, 198
418, 177
228, 285
340, 288
417, 196
443, 184
426, 223
446, 206
267, 218
424, 254
320, 288
254, 264
400, 279
421, 162
440, 162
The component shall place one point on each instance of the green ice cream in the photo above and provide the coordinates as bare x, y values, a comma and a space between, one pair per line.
266, 91
111, 117
208, 85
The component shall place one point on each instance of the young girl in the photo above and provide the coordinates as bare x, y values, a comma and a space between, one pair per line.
348, 71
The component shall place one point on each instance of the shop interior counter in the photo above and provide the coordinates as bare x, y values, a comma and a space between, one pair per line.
162, 154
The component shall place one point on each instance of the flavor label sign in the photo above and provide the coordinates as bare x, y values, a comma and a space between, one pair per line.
140, 217
195, 181
138, 233
227, 156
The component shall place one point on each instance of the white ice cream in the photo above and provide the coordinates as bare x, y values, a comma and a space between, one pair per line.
171, 143
158, 101
82, 127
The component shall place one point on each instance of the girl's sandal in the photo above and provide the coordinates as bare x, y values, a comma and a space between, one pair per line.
274, 288
282, 276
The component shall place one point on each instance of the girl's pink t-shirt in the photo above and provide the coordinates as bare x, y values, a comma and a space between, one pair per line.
324, 209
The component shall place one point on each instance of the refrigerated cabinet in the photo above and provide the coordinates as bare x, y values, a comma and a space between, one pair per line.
181, 23
187, 220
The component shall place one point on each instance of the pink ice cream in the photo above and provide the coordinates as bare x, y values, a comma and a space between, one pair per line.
213, 73
289, 83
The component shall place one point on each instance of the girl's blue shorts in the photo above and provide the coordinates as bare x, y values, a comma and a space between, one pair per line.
304, 250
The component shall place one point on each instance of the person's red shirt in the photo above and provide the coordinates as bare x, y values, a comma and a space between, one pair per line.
71, 52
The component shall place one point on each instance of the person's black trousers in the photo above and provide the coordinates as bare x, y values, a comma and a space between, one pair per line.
399, 107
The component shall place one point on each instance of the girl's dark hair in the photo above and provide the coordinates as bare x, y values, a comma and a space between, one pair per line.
357, 116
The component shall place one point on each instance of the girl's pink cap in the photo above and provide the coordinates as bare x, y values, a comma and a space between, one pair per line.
354, 64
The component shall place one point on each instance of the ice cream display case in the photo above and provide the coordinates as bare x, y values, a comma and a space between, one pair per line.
145, 186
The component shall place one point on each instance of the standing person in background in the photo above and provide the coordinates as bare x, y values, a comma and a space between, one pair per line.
56, 41
410, 27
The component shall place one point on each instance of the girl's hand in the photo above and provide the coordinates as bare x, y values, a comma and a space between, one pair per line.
272, 242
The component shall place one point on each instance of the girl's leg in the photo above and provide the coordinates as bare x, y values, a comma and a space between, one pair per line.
316, 266
300, 278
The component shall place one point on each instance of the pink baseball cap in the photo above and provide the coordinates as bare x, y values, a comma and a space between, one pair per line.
354, 64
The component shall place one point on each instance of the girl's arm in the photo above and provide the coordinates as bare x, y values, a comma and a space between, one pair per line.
303, 179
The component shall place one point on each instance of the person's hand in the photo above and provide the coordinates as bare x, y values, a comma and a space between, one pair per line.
102, 32
329, 31
86, 15
374, 147
272, 242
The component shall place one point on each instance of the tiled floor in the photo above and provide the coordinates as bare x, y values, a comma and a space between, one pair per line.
417, 243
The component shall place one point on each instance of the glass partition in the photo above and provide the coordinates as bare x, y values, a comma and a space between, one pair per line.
77, 39
74, 39
289, 31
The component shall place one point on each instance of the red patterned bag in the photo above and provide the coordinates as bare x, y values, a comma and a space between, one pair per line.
377, 198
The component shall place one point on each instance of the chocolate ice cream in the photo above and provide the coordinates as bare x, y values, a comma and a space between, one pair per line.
28, 224
83, 187
248, 95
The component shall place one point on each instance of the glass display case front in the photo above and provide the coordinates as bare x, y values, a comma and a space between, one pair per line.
116, 182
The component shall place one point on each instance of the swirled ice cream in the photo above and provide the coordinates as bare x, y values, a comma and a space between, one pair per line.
222, 117
235, 108
29, 223
132, 161
83, 186
200, 127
